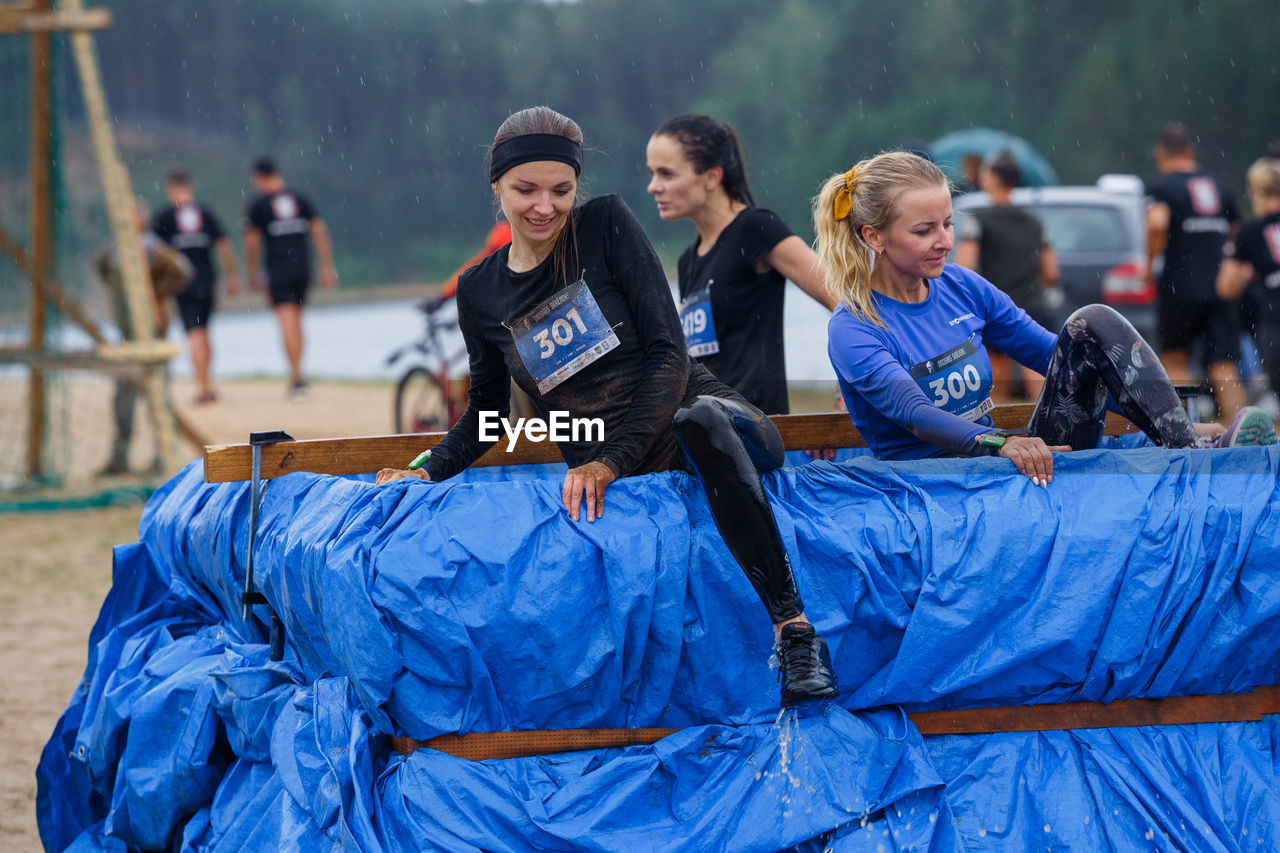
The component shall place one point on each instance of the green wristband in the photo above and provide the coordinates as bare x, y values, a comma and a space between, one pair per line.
995, 442
420, 460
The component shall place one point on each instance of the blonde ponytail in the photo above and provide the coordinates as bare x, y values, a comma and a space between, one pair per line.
864, 195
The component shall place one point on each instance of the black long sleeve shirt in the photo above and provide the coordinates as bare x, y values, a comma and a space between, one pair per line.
634, 389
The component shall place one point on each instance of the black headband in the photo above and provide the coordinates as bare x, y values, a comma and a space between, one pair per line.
532, 147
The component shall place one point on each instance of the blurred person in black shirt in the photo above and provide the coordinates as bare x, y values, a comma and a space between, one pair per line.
285, 223
1189, 220
193, 229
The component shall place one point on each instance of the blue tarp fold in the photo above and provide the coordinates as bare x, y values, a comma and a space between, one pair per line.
421, 609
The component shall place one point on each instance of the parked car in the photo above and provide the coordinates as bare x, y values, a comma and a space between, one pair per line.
1099, 234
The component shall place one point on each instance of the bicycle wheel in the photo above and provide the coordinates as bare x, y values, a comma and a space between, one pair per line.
420, 403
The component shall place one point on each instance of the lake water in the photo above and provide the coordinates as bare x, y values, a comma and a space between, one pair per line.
353, 341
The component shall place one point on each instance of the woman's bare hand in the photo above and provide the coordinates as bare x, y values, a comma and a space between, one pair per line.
584, 487
386, 475
1032, 457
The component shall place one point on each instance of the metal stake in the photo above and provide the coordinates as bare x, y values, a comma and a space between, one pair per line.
251, 595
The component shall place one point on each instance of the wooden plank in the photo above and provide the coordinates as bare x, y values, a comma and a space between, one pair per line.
1173, 711
232, 462
143, 352
13, 21
46, 359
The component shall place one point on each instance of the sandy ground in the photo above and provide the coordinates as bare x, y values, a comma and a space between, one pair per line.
57, 566
58, 563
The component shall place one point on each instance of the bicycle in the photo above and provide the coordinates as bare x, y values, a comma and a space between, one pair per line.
426, 397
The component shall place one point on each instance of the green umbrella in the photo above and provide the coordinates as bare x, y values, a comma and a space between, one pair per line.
950, 150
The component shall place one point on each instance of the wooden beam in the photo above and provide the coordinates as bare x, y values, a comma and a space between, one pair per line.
144, 352
20, 20
1127, 713
129, 253
232, 462
14, 249
40, 260
109, 358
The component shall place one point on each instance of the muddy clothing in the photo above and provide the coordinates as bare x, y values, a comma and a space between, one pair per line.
1098, 351
635, 388
653, 401
170, 272
746, 306
193, 230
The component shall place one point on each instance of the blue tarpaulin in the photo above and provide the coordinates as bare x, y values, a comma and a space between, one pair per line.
421, 609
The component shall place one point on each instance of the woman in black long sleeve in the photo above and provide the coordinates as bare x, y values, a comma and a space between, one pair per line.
577, 310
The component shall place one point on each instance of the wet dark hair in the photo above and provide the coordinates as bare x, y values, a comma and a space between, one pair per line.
264, 166
708, 143
178, 177
1174, 138
546, 120
1005, 168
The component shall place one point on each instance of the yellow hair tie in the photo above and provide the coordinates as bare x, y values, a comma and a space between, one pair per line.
843, 203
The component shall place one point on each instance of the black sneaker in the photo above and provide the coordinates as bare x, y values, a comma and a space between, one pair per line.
804, 666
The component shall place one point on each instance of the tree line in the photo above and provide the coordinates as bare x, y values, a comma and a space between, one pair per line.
382, 109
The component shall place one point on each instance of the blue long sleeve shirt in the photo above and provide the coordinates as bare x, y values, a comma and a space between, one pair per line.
921, 385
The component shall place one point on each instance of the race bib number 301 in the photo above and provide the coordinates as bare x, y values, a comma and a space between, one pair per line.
699, 326
562, 336
955, 381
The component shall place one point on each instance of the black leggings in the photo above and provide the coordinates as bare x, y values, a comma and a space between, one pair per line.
1098, 351
728, 444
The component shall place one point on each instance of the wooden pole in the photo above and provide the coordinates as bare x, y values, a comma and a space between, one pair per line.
41, 235
119, 197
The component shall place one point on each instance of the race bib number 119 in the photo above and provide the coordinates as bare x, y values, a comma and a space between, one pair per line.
699, 325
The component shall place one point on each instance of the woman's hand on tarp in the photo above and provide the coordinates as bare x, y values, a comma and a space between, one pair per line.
584, 487
1032, 457
386, 475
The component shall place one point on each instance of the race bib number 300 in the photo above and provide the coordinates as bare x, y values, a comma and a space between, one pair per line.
699, 326
562, 336
955, 382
